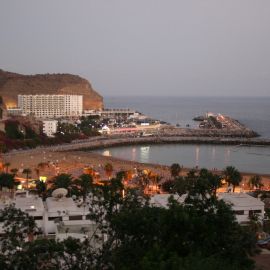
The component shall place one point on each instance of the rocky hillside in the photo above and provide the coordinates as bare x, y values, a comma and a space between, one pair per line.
13, 84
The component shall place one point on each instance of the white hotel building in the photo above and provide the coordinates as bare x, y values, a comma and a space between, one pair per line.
51, 106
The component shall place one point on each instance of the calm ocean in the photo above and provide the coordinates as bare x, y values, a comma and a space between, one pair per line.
253, 112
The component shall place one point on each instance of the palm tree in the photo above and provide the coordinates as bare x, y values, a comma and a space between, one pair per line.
27, 172
175, 170
213, 180
232, 176
14, 171
158, 179
182, 183
41, 188
6, 166
7, 180
255, 182
215, 183
62, 181
143, 180
84, 184
204, 173
108, 169
191, 174
121, 175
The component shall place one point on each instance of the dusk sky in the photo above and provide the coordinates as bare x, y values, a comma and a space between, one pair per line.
143, 47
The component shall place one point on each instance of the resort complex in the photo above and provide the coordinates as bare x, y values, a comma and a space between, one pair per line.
55, 190
134, 135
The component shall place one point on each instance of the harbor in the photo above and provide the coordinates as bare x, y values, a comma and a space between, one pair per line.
140, 125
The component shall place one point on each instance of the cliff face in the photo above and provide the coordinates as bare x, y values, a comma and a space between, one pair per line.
13, 84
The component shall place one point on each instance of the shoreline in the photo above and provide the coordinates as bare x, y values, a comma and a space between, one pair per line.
72, 161
102, 142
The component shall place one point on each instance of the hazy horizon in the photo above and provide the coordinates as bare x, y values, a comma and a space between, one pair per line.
185, 96
144, 47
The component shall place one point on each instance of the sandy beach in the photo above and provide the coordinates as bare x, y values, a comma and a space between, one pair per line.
73, 162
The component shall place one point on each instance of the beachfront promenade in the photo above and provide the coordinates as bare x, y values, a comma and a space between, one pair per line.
68, 158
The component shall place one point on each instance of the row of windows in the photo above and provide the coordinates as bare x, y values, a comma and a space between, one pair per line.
70, 218
250, 212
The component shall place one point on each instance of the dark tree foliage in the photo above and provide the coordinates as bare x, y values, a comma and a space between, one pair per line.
175, 169
7, 180
62, 181
255, 182
202, 233
168, 186
203, 183
30, 133
89, 126
17, 226
205, 230
232, 176
12, 130
41, 188
84, 184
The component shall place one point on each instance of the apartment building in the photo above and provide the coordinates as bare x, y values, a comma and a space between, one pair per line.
51, 106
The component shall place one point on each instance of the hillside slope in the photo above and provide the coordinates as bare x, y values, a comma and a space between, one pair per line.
12, 84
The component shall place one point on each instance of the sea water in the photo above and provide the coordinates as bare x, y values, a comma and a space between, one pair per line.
253, 112
255, 159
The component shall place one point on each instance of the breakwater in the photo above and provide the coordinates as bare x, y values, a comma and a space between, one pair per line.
240, 132
102, 142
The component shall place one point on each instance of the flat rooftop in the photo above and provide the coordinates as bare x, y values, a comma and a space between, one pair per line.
240, 199
63, 204
161, 200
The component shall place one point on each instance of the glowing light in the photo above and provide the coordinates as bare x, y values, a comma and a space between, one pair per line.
43, 178
11, 105
106, 153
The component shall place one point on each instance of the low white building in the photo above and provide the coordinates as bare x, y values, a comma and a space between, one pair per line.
96, 113
162, 200
52, 213
63, 210
113, 113
82, 231
14, 112
243, 205
32, 205
50, 127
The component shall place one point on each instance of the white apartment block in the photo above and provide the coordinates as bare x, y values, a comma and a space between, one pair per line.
243, 205
50, 127
51, 106
48, 214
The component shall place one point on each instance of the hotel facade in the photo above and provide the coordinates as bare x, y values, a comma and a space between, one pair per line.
51, 106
